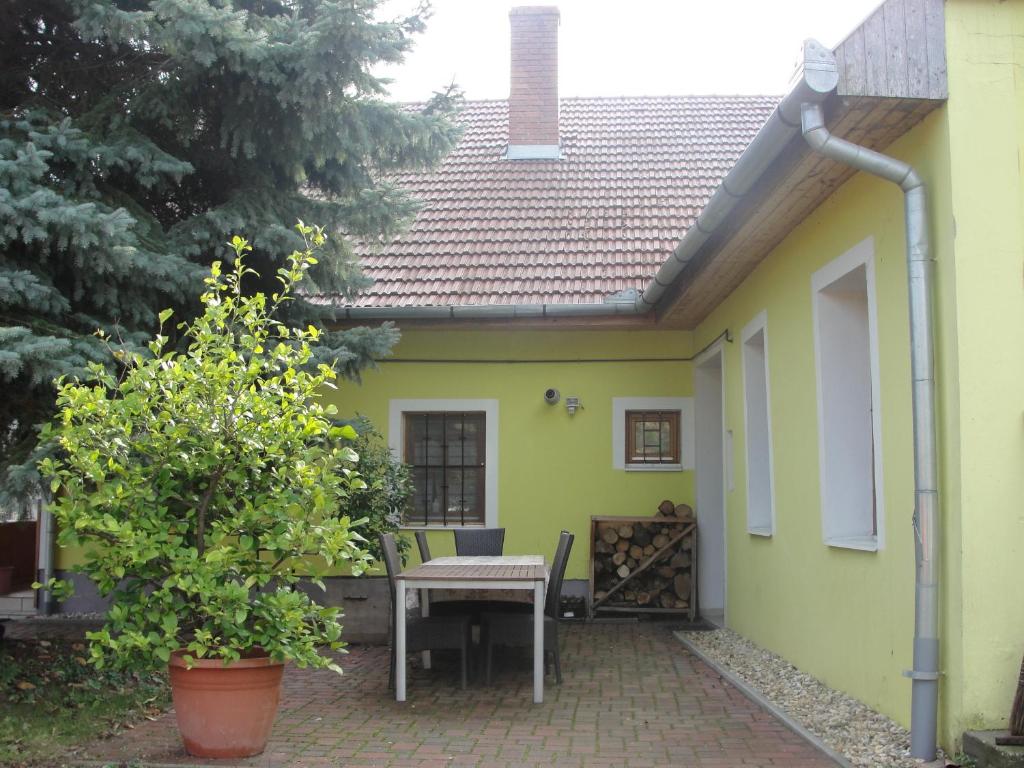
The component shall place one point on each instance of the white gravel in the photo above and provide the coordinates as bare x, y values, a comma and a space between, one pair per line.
865, 737
93, 616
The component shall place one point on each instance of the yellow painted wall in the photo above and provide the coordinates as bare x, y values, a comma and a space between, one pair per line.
555, 471
985, 42
845, 616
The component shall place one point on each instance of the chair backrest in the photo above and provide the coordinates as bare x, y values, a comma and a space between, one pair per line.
423, 546
392, 562
554, 595
479, 541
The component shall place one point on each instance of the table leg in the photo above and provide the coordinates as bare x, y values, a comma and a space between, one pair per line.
425, 612
538, 642
400, 640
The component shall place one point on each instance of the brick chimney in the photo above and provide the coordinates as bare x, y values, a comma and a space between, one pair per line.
533, 96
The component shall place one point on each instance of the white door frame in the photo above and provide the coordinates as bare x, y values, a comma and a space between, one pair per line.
716, 350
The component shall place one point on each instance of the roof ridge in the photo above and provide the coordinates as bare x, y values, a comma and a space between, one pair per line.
644, 97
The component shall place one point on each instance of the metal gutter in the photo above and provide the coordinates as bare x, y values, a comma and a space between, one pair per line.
491, 311
815, 80
920, 268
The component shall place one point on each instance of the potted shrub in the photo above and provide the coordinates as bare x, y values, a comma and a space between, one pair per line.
205, 483
381, 504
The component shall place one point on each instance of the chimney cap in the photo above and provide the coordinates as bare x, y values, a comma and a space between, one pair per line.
534, 10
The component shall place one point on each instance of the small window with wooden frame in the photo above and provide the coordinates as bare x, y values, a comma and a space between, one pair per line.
446, 452
652, 438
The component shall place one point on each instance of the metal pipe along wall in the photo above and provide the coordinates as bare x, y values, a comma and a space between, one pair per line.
920, 268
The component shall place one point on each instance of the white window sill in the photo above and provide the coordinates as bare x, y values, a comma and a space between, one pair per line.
863, 543
765, 532
653, 467
436, 527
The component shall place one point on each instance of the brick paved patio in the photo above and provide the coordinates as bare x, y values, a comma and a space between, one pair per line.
632, 697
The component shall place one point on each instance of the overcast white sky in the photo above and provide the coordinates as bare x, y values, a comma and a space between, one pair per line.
627, 47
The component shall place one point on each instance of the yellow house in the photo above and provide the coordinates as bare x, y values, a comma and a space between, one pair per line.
605, 303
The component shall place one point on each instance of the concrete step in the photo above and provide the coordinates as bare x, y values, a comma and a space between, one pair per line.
18, 605
982, 748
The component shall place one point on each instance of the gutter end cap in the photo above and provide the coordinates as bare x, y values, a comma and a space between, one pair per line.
817, 67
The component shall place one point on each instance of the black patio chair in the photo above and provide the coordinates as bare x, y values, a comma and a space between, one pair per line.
471, 608
514, 627
479, 541
423, 546
432, 633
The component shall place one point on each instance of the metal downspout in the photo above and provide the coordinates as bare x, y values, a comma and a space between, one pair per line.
920, 268
47, 544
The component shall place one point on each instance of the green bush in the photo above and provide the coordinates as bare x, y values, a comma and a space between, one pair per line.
205, 483
388, 489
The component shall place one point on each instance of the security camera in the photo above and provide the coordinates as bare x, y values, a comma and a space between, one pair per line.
552, 396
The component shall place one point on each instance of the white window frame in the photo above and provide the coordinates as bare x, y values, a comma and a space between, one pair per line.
758, 324
396, 442
687, 448
862, 254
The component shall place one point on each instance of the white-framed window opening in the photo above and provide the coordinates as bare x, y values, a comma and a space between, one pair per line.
849, 411
627, 412
757, 427
452, 448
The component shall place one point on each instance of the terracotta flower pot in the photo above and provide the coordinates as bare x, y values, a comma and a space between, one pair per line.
225, 711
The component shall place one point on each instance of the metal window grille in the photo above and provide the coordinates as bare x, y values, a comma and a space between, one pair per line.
652, 437
446, 453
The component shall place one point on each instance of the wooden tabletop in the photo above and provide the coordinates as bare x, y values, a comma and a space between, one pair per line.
505, 568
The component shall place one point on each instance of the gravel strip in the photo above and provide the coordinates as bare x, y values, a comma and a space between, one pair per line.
90, 616
867, 738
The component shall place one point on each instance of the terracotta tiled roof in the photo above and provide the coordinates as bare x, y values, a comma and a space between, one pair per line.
634, 175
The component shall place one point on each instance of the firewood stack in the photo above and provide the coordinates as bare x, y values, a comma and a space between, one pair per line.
645, 564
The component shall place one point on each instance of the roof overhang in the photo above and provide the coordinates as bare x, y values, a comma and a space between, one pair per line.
789, 191
891, 74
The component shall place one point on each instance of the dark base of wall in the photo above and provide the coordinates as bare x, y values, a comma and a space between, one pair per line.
365, 601
86, 599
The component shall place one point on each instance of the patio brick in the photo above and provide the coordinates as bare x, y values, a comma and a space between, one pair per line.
632, 697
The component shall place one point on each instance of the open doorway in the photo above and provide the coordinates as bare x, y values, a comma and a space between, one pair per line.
18, 548
710, 432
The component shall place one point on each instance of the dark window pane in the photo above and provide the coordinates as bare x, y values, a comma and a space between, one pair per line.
446, 451
652, 437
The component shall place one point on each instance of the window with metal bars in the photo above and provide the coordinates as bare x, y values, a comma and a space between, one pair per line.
652, 437
446, 452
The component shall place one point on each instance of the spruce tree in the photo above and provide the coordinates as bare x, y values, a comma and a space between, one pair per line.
138, 136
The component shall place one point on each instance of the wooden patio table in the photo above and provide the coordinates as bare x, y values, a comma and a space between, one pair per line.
523, 572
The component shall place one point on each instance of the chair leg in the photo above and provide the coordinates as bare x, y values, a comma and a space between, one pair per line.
391, 669
555, 656
463, 656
